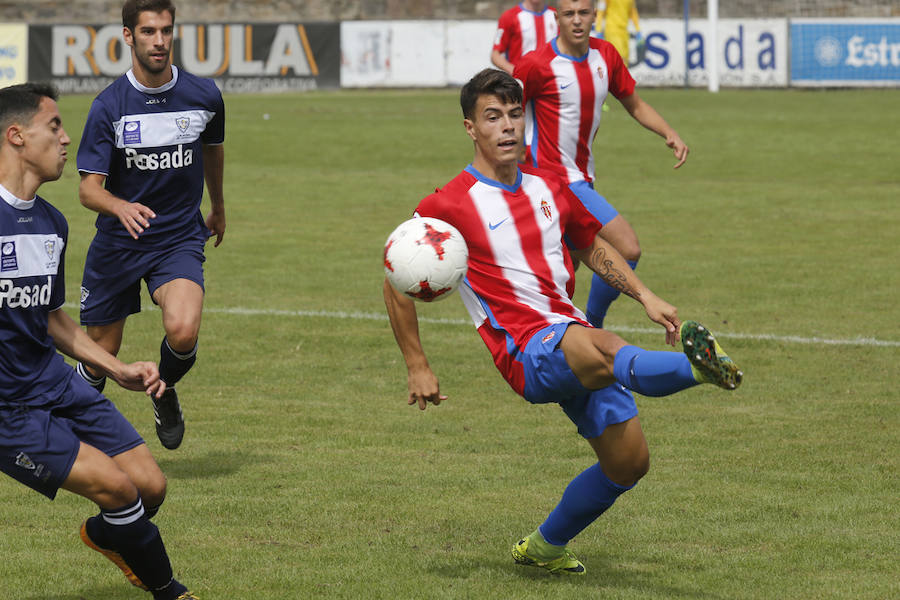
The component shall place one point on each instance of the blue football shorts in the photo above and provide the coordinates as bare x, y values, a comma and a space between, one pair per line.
596, 204
39, 442
548, 378
111, 285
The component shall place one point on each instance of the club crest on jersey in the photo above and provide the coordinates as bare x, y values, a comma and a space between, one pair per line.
183, 123
24, 461
548, 337
600, 71
84, 295
132, 134
49, 247
8, 260
545, 208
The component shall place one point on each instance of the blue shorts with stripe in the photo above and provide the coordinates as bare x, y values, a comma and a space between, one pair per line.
40, 440
596, 204
111, 285
548, 378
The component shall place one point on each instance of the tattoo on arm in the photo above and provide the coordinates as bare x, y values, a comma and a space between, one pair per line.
602, 265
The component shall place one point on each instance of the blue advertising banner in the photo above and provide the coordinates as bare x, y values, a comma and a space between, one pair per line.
845, 52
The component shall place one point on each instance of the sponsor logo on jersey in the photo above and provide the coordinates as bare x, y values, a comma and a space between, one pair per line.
24, 220
26, 296
8, 260
132, 133
176, 159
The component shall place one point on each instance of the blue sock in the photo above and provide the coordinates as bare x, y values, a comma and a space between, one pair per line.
586, 498
172, 365
653, 373
600, 297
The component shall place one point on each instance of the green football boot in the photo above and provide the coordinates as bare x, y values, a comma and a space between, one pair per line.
709, 362
564, 562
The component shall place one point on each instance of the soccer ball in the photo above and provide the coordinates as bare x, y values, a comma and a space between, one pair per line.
425, 259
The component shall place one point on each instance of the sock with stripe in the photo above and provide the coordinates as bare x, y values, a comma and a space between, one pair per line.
174, 365
98, 383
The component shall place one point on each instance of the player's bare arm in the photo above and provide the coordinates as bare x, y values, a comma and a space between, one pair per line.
214, 172
71, 340
499, 61
647, 116
422, 383
134, 216
603, 259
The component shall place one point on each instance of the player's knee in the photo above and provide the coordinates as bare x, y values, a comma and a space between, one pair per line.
115, 489
629, 469
631, 250
153, 491
182, 334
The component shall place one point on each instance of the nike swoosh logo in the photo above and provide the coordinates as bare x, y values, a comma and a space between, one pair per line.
562, 87
494, 226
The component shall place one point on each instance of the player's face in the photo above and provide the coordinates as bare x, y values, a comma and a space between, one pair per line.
497, 129
575, 18
151, 42
45, 141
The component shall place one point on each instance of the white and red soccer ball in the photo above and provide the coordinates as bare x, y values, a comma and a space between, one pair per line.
425, 259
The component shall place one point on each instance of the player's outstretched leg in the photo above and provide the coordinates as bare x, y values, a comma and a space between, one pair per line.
534, 551
709, 362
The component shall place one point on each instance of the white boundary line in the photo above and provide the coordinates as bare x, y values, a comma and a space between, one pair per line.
365, 316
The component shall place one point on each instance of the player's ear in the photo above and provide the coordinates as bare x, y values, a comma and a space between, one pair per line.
14, 135
470, 128
128, 36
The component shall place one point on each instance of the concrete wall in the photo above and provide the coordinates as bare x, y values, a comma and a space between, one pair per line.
96, 11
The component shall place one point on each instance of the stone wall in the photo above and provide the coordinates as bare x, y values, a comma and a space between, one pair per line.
106, 11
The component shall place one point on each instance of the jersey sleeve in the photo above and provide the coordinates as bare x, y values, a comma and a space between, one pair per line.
504, 33
621, 83
525, 73
215, 130
97, 141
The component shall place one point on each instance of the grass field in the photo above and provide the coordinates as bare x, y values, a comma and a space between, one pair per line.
304, 474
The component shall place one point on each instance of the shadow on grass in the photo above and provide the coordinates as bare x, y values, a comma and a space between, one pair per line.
600, 576
108, 592
218, 463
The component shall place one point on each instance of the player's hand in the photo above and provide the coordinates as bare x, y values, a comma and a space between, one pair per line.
665, 314
423, 388
678, 147
134, 217
140, 376
215, 223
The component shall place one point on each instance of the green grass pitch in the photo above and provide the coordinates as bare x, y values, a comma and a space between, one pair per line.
304, 474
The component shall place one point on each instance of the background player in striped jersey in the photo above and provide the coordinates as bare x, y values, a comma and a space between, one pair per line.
150, 140
521, 225
566, 83
56, 431
520, 30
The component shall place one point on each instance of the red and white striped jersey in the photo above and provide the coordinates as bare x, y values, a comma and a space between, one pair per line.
520, 31
520, 278
564, 98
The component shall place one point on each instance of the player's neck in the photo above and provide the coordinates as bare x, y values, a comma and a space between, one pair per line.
577, 50
149, 79
502, 172
19, 183
533, 6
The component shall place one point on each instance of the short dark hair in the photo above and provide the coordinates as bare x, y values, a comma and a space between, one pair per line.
489, 82
133, 8
19, 103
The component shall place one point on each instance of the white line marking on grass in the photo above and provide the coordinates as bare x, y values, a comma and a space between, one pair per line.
363, 316
367, 316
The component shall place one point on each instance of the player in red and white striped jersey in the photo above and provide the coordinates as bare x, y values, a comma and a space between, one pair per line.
520, 30
522, 226
566, 83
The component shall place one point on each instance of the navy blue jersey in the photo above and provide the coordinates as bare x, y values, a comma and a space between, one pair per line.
148, 142
33, 237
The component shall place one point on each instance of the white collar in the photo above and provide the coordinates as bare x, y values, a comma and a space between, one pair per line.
13, 201
149, 90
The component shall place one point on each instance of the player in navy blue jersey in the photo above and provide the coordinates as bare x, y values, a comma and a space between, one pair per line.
55, 430
150, 140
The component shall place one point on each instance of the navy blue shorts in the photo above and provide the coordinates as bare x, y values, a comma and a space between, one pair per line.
39, 443
596, 204
111, 285
548, 378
